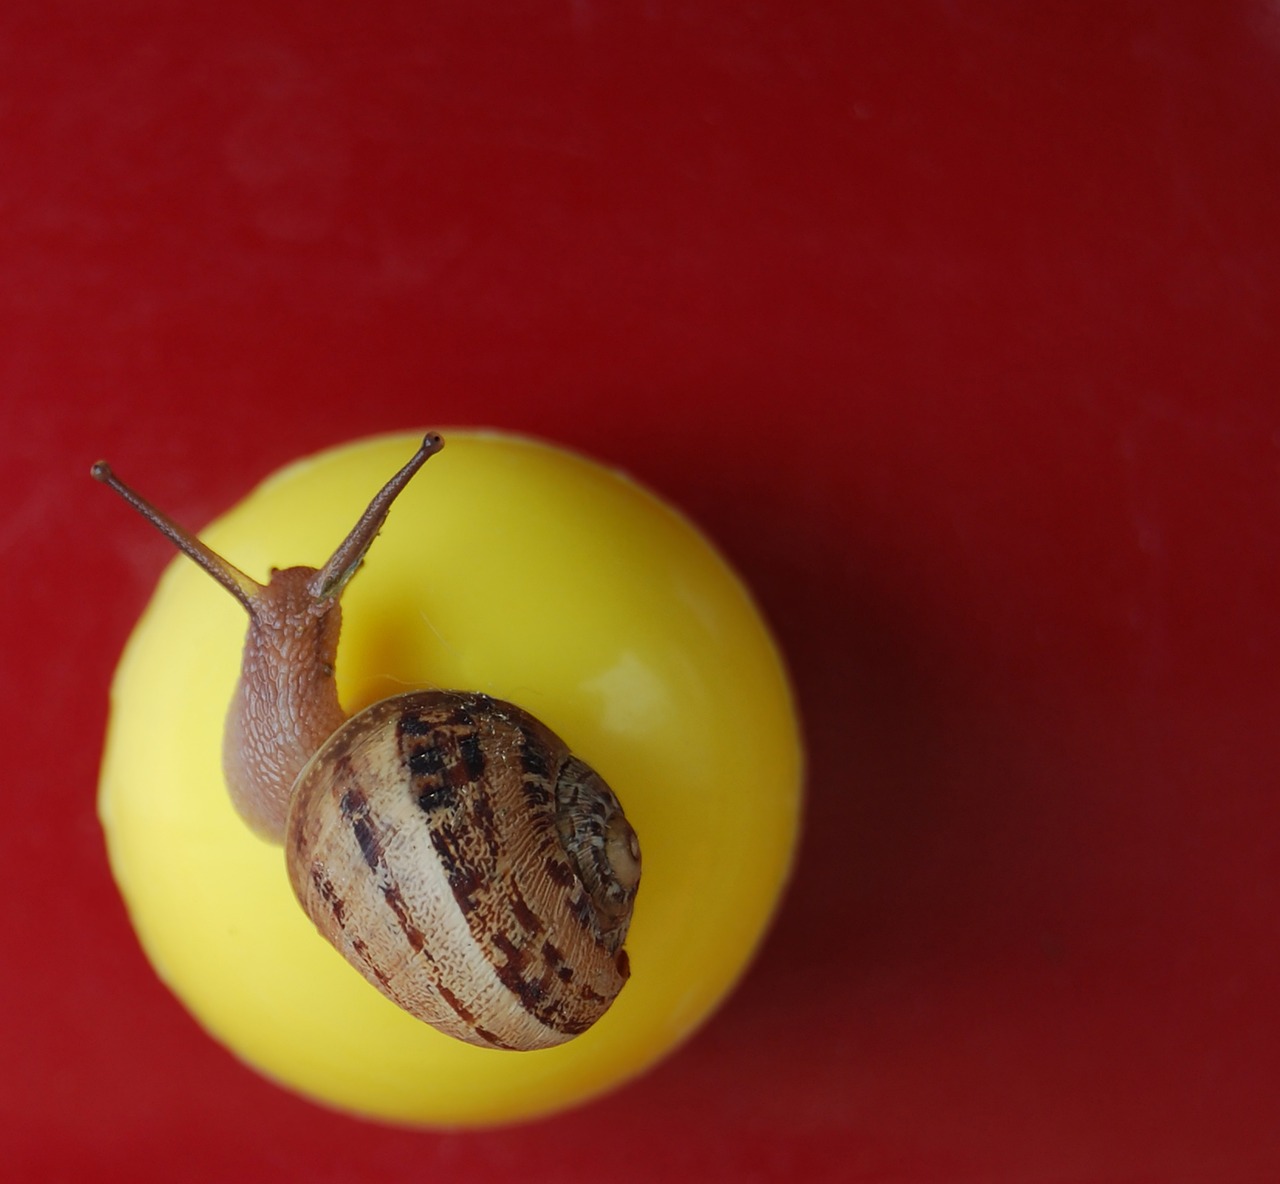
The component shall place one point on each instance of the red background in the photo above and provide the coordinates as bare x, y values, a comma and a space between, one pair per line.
954, 323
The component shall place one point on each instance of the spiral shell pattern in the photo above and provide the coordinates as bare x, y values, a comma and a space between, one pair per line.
477, 873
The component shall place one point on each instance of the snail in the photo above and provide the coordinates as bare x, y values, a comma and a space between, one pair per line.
446, 843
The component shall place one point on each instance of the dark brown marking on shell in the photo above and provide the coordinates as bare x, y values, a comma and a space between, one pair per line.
532, 759
489, 1038
472, 753
355, 810
445, 840
511, 972
464, 1013
514, 954
532, 992
560, 873
623, 963
436, 797
482, 808
461, 714
464, 880
362, 952
535, 993
467, 1016
536, 793
412, 934
329, 894
554, 958
525, 917
485, 824
412, 724
427, 761
464, 888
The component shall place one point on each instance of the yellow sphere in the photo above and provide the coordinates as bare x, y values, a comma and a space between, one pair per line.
531, 574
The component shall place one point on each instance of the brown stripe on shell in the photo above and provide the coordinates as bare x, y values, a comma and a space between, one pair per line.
435, 798
556, 963
427, 761
413, 724
559, 872
512, 971
355, 810
329, 894
467, 1016
465, 881
361, 950
525, 917
532, 758
472, 753
461, 714
412, 934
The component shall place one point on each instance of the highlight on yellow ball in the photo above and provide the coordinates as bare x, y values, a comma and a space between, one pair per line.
530, 573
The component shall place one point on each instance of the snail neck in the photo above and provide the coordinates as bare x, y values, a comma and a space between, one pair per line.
286, 702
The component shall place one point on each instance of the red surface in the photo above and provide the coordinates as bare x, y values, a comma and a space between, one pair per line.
954, 323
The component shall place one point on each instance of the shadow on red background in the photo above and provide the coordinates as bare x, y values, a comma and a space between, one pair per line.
953, 324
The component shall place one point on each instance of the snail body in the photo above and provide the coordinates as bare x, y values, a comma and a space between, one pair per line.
447, 843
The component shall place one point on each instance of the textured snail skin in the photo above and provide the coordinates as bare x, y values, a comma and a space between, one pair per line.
286, 701
479, 921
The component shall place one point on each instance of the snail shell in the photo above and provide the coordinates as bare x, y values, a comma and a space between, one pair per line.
468, 865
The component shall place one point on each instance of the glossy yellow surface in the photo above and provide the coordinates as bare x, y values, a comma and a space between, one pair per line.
534, 575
